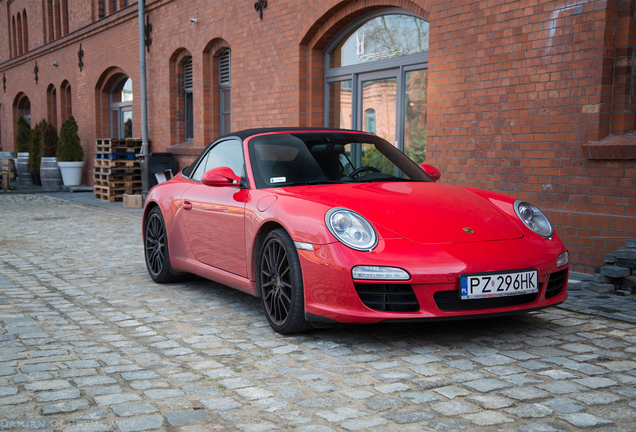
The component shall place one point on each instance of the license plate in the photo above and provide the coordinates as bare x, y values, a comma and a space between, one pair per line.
498, 284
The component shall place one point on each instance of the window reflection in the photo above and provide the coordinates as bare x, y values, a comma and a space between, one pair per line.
384, 37
415, 115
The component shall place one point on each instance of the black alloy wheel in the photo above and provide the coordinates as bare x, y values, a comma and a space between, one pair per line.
156, 250
281, 285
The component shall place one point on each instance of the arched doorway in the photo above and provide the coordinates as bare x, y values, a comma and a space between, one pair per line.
121, 108
376, 78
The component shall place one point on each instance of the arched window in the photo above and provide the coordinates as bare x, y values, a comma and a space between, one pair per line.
51, 105
65, 99
225, 92
376, 76
19, 35
188, 98
49, 20
15, 37
25, 30
369, 121
121, 113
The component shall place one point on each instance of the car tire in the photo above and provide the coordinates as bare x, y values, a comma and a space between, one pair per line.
156, 250
280, 281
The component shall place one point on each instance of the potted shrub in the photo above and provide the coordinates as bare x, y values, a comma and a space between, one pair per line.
35, 152
70, 156
49, 171
22, 143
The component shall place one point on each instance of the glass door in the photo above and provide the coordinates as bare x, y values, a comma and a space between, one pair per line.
377, 99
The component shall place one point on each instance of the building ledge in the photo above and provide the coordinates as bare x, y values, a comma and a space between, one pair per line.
613, 147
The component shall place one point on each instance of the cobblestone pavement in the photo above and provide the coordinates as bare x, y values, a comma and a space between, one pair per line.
89, 343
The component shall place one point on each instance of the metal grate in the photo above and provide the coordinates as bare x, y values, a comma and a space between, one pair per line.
187, 75
451, 301
224, 68
388, 297
556, 284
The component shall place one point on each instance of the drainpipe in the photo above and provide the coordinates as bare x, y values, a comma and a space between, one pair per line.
144, 100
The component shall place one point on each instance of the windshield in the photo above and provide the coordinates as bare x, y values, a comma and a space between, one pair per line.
296, 159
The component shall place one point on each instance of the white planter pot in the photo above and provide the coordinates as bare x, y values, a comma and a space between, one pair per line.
71, 172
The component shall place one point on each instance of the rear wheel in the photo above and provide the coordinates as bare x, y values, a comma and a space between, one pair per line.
156, 250
281, 284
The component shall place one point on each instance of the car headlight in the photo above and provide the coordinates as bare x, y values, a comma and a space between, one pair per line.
351, 229
534, 219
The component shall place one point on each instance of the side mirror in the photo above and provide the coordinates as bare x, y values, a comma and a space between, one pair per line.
431, 171
219, 177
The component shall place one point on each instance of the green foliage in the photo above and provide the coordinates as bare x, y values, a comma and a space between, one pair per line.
373, 157
49, 140
35, 148
416, 145
23, 136
69, 148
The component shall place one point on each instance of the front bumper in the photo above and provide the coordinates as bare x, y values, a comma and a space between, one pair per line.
432, 293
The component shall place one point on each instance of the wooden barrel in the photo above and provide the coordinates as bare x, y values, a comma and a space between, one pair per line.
50, 173
22, 166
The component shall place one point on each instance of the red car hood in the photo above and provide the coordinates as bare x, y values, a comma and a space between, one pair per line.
419, 212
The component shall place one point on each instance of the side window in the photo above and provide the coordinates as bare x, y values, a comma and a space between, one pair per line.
224, 154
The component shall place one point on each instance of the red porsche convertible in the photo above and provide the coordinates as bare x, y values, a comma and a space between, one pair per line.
331, 226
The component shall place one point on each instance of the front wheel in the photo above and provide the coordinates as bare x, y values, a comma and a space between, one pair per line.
156, 250
281, 284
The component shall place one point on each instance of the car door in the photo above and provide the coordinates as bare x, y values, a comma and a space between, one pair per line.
214, 216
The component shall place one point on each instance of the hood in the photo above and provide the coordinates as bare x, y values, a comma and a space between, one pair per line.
419, 212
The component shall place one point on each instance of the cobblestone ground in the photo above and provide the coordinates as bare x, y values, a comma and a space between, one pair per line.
89, 342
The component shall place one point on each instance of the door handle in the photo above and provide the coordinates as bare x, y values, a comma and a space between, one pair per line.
187, 205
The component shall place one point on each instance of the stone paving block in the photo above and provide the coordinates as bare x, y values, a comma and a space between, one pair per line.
488, 418
140, 423
409, 417
491, 402
356, 425
340, 414
383, 404
180, 418
596, 398
47, 385
564, 405
133, 409
584, 420
221, 403
58, 395
64, 407
524, 393
530, 411
452, 408
112, 399
486, 385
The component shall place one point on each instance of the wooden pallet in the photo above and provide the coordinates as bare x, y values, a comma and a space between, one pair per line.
131, 147
108, 163
112, 184
115, 156
106, 193
117, 171
117, 177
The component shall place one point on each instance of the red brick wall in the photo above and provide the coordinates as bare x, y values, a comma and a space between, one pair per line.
516, 89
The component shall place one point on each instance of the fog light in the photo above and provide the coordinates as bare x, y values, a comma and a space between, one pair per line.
563, 259
379, 273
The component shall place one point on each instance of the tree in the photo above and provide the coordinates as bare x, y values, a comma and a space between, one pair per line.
23, 137
49, 140
69, 148
35, 148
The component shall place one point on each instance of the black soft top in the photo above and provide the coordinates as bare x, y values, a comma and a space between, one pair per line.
246, 133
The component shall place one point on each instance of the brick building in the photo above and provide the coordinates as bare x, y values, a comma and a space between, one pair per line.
532, 98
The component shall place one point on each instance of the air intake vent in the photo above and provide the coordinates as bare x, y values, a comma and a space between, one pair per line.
451, 301
556, 283
224, 68
388, 297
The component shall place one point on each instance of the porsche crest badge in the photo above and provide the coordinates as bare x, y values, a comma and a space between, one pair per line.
469, 230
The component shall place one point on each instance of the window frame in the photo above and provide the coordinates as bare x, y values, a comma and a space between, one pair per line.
204, 159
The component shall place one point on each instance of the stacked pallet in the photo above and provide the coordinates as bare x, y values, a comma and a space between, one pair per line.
6, 174
116, 171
